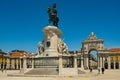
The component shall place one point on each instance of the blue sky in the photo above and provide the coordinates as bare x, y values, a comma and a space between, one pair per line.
22, 21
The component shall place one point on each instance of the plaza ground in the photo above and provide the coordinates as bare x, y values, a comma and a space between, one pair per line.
108, 75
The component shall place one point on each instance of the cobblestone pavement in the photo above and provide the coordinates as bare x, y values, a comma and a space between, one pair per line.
108, 75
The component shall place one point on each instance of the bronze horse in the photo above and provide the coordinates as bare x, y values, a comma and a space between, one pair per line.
53, 15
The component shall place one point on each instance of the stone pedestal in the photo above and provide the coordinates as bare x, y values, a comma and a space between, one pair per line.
23, 70
60, 61
60, 64
51, 36
68, 71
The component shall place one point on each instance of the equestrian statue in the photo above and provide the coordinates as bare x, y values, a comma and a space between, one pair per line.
53, 15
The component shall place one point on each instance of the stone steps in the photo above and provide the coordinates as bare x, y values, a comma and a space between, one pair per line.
43, 71
81, 72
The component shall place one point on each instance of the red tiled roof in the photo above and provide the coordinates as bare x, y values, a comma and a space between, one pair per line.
17, 54
114, 50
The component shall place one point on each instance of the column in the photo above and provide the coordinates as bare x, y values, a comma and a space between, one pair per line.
21, 69
75, 61
3, 63
108, 62
8, 63
103, 62
100, 62
0, 66
82, 62
24, 64
119, 64
87, 62
12, 64
114, 65
17, 64
20, 63
32, 62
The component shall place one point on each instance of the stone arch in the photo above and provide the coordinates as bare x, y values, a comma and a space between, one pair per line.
106, 65
117, 65
92, 60
92, 43
112, 65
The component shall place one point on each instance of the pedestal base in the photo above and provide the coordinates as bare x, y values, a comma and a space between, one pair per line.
50, 53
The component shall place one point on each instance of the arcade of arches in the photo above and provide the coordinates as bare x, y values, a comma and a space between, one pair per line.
107, 58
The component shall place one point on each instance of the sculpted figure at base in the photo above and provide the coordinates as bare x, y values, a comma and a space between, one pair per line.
62, 47
40, 48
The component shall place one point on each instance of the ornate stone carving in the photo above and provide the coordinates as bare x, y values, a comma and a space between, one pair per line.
50, 34
92, 36
40, 48
62, 47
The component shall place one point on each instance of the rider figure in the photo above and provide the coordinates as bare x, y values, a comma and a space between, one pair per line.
54, 11
53, 14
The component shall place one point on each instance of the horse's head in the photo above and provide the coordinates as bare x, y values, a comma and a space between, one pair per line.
54, 5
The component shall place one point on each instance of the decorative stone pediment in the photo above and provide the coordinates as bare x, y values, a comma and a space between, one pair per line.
92, 36
93, 43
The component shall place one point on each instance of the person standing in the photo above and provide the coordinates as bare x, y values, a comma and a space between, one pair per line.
102, 70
